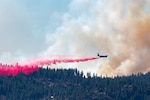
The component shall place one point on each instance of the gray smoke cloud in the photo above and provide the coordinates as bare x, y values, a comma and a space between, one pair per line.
119, 28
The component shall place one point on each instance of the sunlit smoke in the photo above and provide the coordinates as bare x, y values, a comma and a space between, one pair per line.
119, 28
131, 42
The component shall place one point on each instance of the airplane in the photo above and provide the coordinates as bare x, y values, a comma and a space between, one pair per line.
101, 56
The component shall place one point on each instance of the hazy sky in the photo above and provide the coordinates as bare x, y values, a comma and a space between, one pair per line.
25, 23
29, 28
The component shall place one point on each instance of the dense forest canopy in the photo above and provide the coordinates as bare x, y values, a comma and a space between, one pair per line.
70, 84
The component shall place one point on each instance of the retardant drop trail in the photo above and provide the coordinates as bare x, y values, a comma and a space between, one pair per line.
34, 64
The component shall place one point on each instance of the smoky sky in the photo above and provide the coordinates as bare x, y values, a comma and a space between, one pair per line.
118, 28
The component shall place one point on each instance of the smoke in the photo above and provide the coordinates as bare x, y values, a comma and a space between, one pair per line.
132, 45
30, 66
119, 28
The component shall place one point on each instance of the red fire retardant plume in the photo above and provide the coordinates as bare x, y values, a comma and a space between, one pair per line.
13, 70
32, 66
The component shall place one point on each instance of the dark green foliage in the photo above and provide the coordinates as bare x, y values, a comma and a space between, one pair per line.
70, 84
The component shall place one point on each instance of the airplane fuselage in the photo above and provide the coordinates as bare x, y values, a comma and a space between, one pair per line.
101, 56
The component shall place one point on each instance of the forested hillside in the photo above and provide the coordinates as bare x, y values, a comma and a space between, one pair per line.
70, 84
